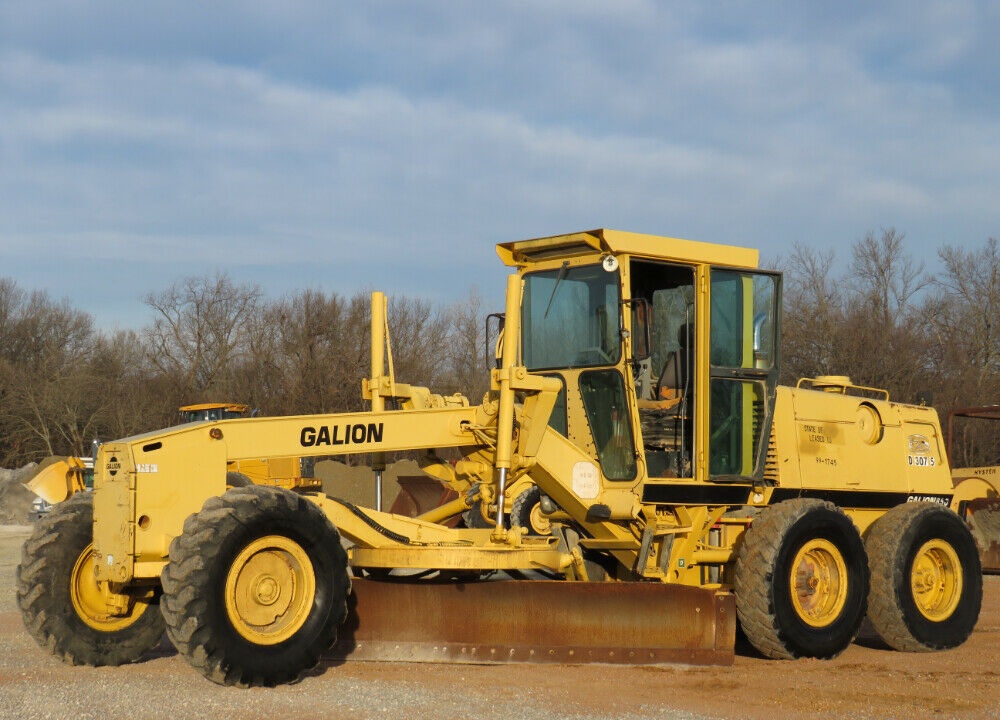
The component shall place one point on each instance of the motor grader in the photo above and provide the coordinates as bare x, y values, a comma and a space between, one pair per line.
636, 387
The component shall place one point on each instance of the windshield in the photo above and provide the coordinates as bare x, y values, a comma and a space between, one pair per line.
570, 318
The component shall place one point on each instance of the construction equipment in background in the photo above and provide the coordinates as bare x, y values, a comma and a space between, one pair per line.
59, 477
636, 389
211, 411
291, 473
977, 490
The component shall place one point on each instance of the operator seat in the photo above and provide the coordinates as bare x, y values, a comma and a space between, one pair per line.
675, 379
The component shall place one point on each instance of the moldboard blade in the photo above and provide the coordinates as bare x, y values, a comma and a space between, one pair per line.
537, 621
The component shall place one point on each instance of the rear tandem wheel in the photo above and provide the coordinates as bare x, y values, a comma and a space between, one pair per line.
927, 583
256, 587
801, 580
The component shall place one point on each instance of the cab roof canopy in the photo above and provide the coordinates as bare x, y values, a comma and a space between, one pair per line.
233, 407
616, 242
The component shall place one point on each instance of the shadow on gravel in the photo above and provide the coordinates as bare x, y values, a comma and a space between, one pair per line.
867, 638
339, 654
163, 649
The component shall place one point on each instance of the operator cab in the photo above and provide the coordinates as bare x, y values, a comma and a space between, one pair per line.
619, 319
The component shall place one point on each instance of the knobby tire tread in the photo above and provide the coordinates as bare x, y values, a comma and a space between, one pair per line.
520, 509
756, 604
191, 612
889, 542
43, 595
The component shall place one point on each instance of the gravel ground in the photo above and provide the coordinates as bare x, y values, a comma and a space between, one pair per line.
866, 681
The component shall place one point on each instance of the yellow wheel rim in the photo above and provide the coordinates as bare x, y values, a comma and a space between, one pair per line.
270, 590
95, 604
936, 580
540, 524
818, 583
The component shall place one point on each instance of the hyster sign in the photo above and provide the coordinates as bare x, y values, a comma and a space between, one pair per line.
348, 434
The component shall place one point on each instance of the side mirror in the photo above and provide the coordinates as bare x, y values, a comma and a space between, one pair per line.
642, 329
494, 337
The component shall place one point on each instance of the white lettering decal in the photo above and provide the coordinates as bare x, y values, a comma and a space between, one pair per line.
586, 480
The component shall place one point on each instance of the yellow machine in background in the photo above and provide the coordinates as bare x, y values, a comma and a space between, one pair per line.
684, 490
59, 477
977, 491
285, 472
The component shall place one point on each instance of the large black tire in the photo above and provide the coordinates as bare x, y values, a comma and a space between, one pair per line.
801, 580
237, 479
526, 512
927, 583
256, 587
64, 607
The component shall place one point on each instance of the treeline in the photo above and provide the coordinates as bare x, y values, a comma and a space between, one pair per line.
63, 382
881, 318
930, 337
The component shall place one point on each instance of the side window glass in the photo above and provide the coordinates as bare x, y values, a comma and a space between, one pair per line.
735, 422
765, 299
610, 425
743, 320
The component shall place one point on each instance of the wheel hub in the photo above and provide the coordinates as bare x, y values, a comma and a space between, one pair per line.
936, 580
818, 582
540, 524
93, 601
267, 590
270, 590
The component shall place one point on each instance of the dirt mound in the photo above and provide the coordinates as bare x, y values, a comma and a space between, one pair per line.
356, 483
15, 499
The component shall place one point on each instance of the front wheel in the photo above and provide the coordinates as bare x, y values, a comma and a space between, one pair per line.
475, 517
256, 587
66, 609
801, 580
526, 512
927, 583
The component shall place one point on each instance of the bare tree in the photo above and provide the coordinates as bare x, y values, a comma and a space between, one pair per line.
314, 350
886, 279
419, 335
885, 336
47, 399
812, 314
867, 324
200, 333
963, 319
465, 348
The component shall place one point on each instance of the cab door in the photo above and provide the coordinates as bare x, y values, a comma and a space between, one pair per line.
743, 371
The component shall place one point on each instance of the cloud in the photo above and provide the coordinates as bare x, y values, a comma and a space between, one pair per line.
393, 143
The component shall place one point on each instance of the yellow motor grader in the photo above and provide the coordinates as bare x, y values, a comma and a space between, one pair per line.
685, 492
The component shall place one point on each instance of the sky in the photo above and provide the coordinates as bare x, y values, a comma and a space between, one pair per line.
348, 146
